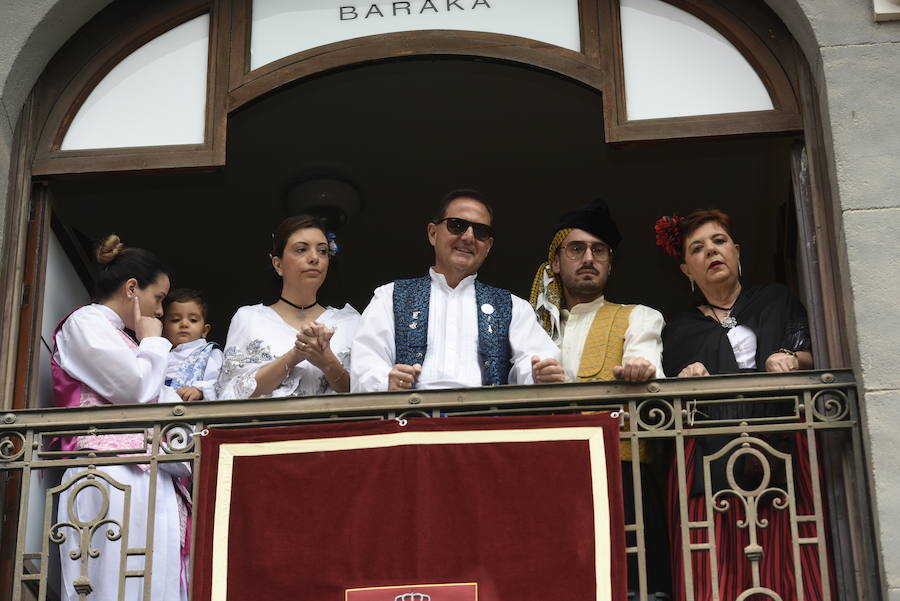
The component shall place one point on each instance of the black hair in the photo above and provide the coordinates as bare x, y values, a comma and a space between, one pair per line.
461, 193
120, 263
187, 295
288, 226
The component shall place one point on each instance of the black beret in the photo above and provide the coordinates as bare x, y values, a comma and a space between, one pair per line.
593, 218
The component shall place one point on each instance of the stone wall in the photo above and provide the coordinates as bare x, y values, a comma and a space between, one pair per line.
857, 67
856, 64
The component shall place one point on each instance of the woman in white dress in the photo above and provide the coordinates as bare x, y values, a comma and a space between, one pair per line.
294, 347
95, 362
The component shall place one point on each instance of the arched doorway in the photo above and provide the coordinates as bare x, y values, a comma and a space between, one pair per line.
536, 146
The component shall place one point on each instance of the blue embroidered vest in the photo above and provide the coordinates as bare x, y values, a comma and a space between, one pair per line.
412, 299
193, 368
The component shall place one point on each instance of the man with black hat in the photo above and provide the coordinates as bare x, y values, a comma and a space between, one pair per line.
601, 340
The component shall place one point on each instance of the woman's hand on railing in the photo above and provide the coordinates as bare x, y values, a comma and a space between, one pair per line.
781, 361
694, 369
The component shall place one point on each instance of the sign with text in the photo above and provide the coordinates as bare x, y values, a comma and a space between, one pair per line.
284, 27
467, 591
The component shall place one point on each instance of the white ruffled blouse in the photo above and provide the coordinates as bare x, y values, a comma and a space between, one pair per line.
257, 335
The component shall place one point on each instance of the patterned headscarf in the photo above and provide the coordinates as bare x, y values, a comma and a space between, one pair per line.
546, 293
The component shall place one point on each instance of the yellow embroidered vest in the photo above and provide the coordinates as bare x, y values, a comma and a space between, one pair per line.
603, 348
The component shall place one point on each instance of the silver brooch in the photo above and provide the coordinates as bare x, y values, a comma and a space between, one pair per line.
729, 322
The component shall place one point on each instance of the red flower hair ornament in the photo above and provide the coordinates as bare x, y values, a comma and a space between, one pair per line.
668, 236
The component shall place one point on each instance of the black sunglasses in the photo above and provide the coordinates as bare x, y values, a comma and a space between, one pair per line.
458, 227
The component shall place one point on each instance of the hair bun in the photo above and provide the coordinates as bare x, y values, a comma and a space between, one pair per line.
109, 249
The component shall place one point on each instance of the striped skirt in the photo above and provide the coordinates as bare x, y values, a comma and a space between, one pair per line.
776, 568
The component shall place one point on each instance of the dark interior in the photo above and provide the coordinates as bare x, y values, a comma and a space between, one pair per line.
403, 133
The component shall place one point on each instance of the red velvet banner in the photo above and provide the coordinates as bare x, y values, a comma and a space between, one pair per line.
523, 508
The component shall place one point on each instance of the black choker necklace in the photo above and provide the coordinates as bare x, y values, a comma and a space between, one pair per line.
314, 303
710, 304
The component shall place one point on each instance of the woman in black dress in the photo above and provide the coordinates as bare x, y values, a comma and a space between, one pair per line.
736, 329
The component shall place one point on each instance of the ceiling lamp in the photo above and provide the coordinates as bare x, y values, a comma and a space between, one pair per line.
333, 200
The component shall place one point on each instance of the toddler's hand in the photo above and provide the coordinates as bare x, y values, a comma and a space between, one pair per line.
190, 393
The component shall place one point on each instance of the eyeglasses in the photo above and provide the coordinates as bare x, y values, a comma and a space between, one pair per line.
599, 251
458, 227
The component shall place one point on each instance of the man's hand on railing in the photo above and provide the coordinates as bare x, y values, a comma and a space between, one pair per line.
548, 371
635, 369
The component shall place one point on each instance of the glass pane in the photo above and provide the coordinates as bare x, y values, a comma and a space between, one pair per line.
676, 65
284, 27
155, 96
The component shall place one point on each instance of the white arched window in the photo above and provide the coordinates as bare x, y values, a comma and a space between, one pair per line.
156, 96
676, 65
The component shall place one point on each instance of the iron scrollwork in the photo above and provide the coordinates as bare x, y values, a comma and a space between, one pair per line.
830, 405
655, 414
12, 446
177, 438
751, 497
85, 528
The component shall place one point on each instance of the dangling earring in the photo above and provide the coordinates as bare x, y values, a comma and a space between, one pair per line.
692, 284
740, 272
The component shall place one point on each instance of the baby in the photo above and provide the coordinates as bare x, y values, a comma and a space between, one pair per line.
194, 363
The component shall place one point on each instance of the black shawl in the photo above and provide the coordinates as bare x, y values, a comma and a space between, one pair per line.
773, 313
777, 318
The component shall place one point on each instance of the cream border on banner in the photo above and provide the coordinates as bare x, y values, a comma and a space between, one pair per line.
593, 436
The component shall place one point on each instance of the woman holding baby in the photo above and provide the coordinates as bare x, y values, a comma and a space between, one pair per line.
295, 346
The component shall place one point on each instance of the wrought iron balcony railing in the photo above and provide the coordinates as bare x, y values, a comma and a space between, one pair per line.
734, 459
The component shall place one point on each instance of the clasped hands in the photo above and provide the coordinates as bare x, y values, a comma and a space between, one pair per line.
313, 344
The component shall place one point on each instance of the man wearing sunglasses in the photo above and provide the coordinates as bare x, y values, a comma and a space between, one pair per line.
601, 340
448, 329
